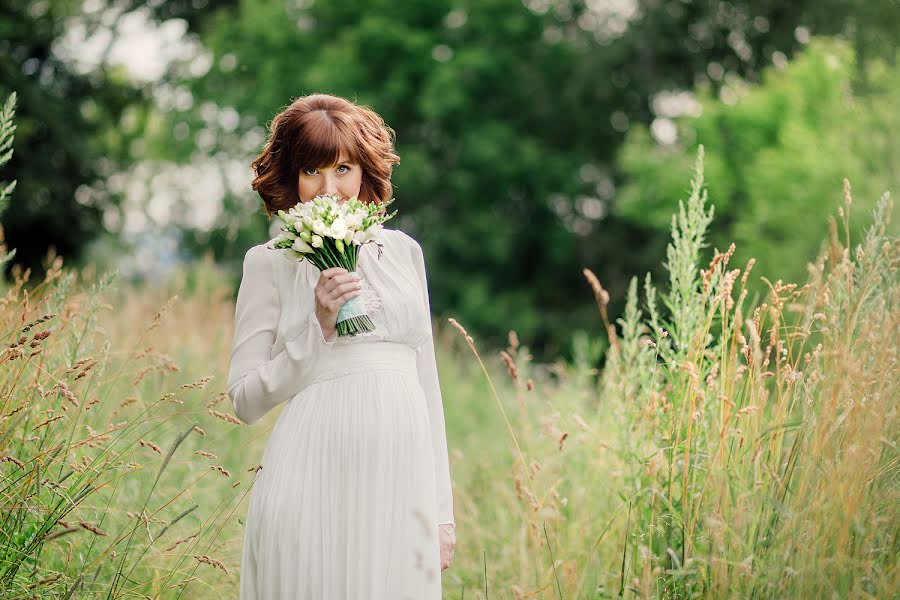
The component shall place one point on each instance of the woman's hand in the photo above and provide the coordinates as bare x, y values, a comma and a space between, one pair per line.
335, 287
448, 543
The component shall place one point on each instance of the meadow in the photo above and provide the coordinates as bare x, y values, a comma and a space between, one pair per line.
728, 447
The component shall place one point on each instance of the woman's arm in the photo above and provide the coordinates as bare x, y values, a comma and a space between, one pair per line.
256, 381
428, 378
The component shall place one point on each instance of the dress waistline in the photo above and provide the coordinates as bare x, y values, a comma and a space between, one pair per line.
359, 357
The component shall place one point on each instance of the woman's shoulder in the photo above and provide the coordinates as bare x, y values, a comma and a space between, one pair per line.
401, 237
266, 258
256, 256
260, 255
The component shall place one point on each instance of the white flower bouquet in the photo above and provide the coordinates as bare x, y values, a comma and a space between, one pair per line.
329, 233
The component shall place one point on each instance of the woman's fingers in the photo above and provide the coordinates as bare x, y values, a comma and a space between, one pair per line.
448, 543
331, 272
342, 299
339, 295
335, 281
345, 288
328, 275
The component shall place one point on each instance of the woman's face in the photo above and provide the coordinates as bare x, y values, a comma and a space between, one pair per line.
343, 179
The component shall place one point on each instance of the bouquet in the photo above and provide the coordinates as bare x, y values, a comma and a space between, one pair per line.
328, 234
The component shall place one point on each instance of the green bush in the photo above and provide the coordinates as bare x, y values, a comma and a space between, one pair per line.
776, 154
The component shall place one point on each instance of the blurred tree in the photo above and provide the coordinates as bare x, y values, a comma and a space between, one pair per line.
69, 128
479, 138
60, 120
776, 154
508, 117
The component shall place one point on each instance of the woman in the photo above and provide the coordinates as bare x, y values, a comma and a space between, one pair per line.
353, 499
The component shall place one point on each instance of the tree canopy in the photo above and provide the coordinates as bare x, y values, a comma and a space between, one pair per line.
510, 117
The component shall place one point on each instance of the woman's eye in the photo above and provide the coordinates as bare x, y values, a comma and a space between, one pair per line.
310, 171
344, 167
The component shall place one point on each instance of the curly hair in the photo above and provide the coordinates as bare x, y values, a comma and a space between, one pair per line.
313, 132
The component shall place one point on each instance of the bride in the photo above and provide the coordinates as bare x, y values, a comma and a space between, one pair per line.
353, 500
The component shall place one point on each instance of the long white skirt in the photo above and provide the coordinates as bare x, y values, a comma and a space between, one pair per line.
344, 507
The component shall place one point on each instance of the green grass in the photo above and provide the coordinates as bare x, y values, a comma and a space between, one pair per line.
726, 448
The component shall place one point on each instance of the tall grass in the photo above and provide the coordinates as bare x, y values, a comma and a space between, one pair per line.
122, 469
109, 481
728, 449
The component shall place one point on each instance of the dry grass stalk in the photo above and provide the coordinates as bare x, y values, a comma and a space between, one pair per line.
211, 561
153, 446
225, 417
92, 528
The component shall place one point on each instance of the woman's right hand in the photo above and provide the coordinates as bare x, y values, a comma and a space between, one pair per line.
335, 287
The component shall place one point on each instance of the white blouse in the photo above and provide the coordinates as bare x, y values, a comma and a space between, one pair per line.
278, 341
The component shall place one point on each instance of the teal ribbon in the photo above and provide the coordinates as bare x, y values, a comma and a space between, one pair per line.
353, 307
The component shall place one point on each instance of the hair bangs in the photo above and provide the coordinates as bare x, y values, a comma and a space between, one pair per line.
323, 142
316, 131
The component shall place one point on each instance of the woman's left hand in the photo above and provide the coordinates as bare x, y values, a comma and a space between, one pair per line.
448, 543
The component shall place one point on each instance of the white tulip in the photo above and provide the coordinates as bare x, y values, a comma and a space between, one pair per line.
316, 241
339, 228
354, 220
301, 246
318, 226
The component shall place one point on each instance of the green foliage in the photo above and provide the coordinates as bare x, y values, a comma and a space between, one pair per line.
728, 449
62, 141
503, 115
477, 160
746, 470
775, 152
102, 488
68, 466
509, 115
7, 129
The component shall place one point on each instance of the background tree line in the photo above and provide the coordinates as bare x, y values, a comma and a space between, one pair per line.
536, 137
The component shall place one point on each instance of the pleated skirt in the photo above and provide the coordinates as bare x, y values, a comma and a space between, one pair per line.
344, 507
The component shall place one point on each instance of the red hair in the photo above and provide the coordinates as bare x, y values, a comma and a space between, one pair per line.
315, 131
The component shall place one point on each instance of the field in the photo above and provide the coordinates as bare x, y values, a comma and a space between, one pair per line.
729, 447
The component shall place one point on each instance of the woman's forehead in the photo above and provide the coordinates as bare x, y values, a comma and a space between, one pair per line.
329, 155
342, 159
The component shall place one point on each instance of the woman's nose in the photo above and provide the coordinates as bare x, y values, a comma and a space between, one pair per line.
329, 184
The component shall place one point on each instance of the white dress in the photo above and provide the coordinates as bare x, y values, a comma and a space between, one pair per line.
355, 477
